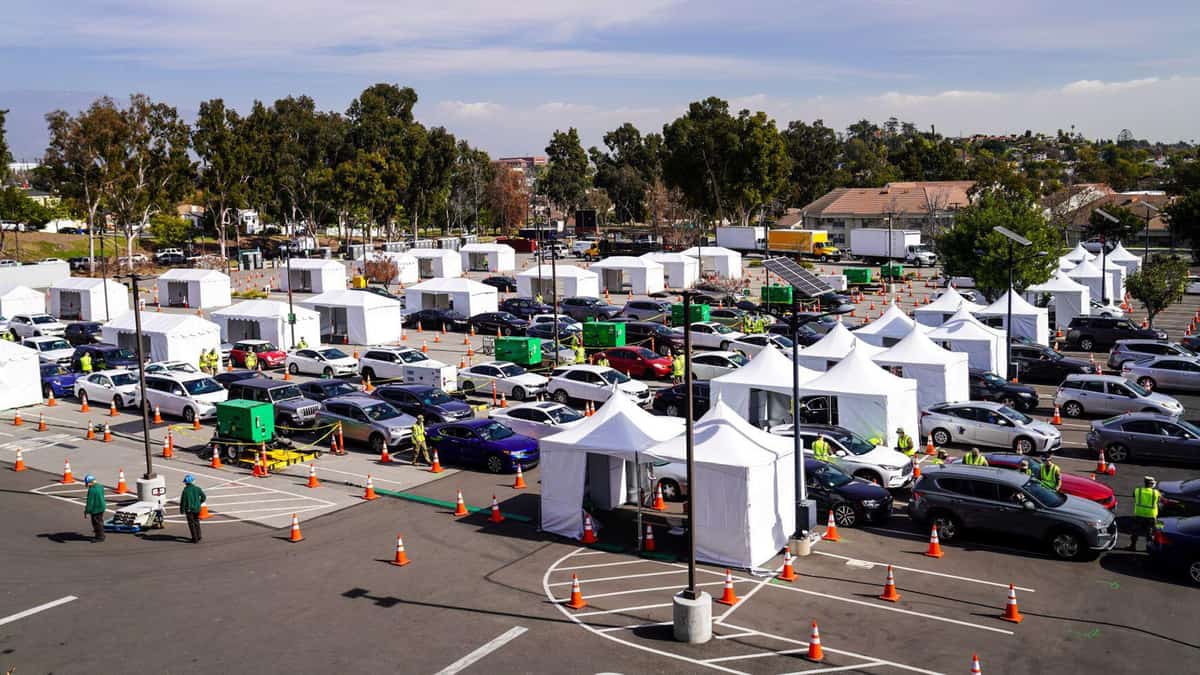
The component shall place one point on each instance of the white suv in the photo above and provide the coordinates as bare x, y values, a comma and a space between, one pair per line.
51, 349
594, 383
186, 395
404, 364
35, 325
326, 361
855, 455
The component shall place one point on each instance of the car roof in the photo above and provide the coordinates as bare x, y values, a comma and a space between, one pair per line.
1137, 341
993, 405
1126, 417
1089, 377
718, 353
257, 382
252, 342
180, 377
822, 427
42, 338
353, 398
111, 371
413, 388
959, 470
1166, 357
585, 366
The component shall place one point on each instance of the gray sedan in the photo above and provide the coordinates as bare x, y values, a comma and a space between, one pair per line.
1164, 372
988, 423
1145, 435
367, 420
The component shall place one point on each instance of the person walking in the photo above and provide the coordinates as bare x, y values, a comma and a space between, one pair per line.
189, 505
975, 458
1024, 467
677, 369
905, 442
95, 507
1051, 475
1145, 511
820, 448
420, 448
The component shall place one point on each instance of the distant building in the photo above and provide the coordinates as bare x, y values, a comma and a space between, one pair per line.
527, 164
249, 221
1073, 207
926, 206
193, 213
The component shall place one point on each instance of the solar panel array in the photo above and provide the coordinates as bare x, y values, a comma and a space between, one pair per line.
801, 280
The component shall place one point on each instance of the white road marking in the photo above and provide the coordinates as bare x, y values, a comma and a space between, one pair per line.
868, 659
627, 576
40, 608
747, 596
872, 664
759, 655
489, 647
611, 564
641, 590
635, 626
592, 553
920, 571
733, 635
622, 609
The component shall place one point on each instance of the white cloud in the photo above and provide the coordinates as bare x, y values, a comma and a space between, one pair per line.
1100, 86
470, 110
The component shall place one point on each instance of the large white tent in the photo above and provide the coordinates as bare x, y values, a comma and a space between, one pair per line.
833, 347
744, 488
197, 289
268, 320
38, 275
165, 337
725, 263
21, 300
941, 375
20, 371
356, 317
1065, 264
1079, 254
868, 400
433, 263
590, 458
939, 311
488, 258
624, 273
572, 282
1071, 298
1088, 274
983, 345
761, 391
682, 271
83, 298
461, 295
312, 275
891, 327
1028, 321
1114, 276
1121, 256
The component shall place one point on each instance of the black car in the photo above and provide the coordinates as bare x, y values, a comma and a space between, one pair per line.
319, 390
78, 262
852, 501
169, 259
502, 283
525, 307
1180, 497
545, 330
230, 376
437, 319
1088, 333
987, 386
673, 402
831, 302
1192, 342
805, 334
1039, 363
82, 333
583, 309
653, 336
104, 356
489, 323
421, 399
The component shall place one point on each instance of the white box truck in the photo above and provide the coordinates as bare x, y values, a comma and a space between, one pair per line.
871, 245
432, 373
742, 238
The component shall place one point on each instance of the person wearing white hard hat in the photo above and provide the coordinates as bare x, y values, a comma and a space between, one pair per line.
95, 507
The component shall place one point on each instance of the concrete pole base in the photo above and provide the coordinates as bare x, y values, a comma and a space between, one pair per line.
693, 618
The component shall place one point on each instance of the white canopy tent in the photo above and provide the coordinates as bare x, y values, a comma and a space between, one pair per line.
833, 347
623, 273
268, 320
21, 300
1088, 274
745, 488
462, 295
38, 275
165, 337
1028, 321
1066, 265
83, 298
867, 399
941, 375
590, 458
433, 263
1121, 256
1079, 254
406, 266
488, 258
196, 289
983, 345
939, 311
355, 317
1114, 275
312, 275
725, 263
572, 281
891, 327
682, 271
761, 391
20, 371
1071, 298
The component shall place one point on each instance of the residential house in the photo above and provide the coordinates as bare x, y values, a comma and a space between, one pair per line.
1073, 207
926, 206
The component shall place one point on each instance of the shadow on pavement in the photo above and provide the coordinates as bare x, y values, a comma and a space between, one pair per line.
66, 537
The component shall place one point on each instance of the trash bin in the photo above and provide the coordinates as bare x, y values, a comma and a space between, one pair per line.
250, 260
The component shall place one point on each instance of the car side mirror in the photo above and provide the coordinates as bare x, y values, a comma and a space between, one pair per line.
840, 453
1028, 505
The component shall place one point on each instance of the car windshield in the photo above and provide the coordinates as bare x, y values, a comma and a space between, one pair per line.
1014, 415
50, 345
412, 356
829, 476
121, 379
121, 353
645, 353
614, 377
783, 341
205, 385
339, 388
264, 347
992, 378
510, 370
494, 431
855, 444
436, 397
284, 393
50, 369
722, 329
564, 414
332, 353
1043, 494
380, 411
1137, 388
738, 359
43, 318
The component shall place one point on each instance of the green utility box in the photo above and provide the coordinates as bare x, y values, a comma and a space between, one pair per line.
523, 351
857, 275
892, 271
777, 294
603, 334
247, 421
699, 313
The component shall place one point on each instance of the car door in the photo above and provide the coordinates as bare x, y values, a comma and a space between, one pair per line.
1120, 398
1093, 398
706, 366
1143, 437
525, 421
457, 443
1178, 443
597, 387
992, 428
961, 500
359, 424
960, 423
99, 388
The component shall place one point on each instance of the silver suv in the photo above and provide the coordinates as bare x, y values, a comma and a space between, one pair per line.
367, 420
1080, 395
988, 423
1126, 351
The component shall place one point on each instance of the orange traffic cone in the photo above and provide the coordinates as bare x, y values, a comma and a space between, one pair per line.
648, 540
935, 547
195, 424
91, 432
42, 422
519, 483
975, 669
168, 446
257, 471
1011, 613
424, 347
17, 421
112, 408
122, 486
384, 457
333, 446
789, 573
437, 339
107, 433
929, 449
67, 477
51, 402
83, 404
496, 516
436, 467
287, 377
589, 533
503, 401
460, 507
312, 476
831, 533
296, 536
1101, 465
367, 386
1057, 419
157, 415
729, 597
19, 464
576, 601
659, 503
369, 494
889, 588
814, 645
401, 557
204, 514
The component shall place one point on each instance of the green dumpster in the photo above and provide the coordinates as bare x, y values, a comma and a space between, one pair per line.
699, 313
523, 351
857, 275
777, 294
603, 334
247, 421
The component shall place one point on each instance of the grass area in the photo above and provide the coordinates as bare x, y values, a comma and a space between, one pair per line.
37, 245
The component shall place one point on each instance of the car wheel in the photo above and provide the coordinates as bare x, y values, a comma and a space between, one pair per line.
949, 527
189, 414
1023, 445
673, 410
232, 453
1086, 344
518, 394
45, 392
494, 463
670, 489
725, 346
1147, 382
294, 369
1116, 453
561, 396
869, 476
467, 387
327, 373
376, 441
507, 331
1072, 409
1066, 545
1010, 402
941, 437
845, 515
1194, 572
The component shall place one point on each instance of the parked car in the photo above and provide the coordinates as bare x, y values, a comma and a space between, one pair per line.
855, 455
988, 424
1179, 497
751, 345
35, 325
230, 376
1088, 333
292, 409
509, 379
268, 355
852, 501
491, 323
323, 361
78, 263
1079, 486
545, 331
729, 316
1039, 363
170, 368
542, 325
1165, 372
1105, 310
806, 334
504, 284
1176, 546
421, 399
596, 384
584, 309
436, 319
1145, 435
647, 309
525, 307
638, 362
672, 401
1081, 395
711, 335
654, 336
986, 386
187, 395
1191, 342
956, 498
563, 352
82, 333
58, 379
537, 419
387, 363
1137, 351
367, 420
709, 365
50, 349
105, 356
324, 389
116, 386
484, 442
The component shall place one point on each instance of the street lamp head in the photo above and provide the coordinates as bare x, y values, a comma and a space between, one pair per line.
1148, 206
1108, 216
1018, 239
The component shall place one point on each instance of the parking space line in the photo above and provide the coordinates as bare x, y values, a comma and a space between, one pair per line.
634, 626
627, 576
760, 655
611, 564
842, 652
214, 504
872, 664
623, 609
929, 572
592, 553
732, 635
642, 590
487, 648
748, 595
40, 608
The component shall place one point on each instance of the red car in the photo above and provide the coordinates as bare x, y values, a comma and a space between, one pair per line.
1076, 486
269, 356
638, 362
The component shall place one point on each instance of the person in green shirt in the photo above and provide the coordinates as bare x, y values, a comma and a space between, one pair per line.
820, 448
95, 506
602, 361
420, 448
1051, 475
975, 458
302, 344
677, 369
189, 505
580, 355
85, 363
905, 442
1024, 468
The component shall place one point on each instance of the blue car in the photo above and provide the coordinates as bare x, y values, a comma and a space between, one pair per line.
1176, 546
485, 443
421, 399
57, 379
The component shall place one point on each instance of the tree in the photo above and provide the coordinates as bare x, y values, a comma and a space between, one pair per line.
814, 150
972, 248
631, 164
17, 207
221, 142
1159, 284
565, 182
506, 199
469, 178
429, 183
170, 230
381, 125
302, 147
1128, 223
1183, 216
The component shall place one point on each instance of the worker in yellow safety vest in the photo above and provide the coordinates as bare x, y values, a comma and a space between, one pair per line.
420, 449
1051, 475
975, 458
1145, 511
251, 360
677, 369
85, 363
820, 448
580, 355
905, 442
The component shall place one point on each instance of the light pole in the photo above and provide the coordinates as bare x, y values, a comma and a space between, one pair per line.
1014, 239
1146, 247
134, 277
1104, 256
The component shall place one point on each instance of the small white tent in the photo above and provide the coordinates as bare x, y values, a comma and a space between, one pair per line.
433, 263
312, 275
761, 391
681, 271
941, 375
590, 458
38, 275
1121, 256
984, 346
868, 400
83, 298
268, 320
1079, 254
1114, 275
1071, 298
623, 273
197, 289
891, 327
406, 266
939, 311
572, 282
1066, 265
356, 317
20, 371
1088, 274
745, 488
833, 347
21, 300
461, 295
723, 262
1028, 321
165, 337
488, 258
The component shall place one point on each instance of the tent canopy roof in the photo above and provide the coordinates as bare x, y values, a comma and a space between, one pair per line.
166, 324
84, 283
562, 271
725, 438
432, 252
349, 298
314, 264
487, 248
950, 301
453, 285
660, 257
15, 291
694, 252
11, 351
1020, 306
857, 374
768, 367
620, 428
179, 274
1061, 281
1120, 253
916, 348
1086, 269
626, 262
965, 326
261, 309
838, 342
892, 322
1079, 253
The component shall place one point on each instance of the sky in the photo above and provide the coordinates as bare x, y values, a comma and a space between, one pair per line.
506, 75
